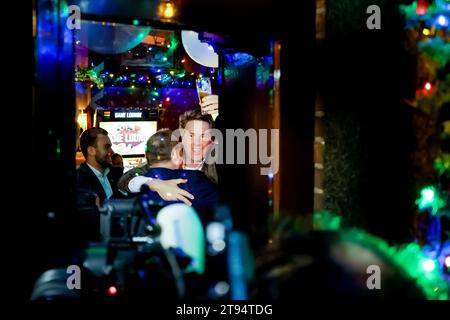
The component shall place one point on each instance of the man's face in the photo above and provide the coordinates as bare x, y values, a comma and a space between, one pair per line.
196, 141
103, 151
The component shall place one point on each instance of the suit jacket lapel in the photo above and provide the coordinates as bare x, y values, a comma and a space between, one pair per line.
97, 186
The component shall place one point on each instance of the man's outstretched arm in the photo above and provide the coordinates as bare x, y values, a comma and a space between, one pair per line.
168, 190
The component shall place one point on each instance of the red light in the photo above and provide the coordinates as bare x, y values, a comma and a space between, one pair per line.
168, 99
447, 261
421, 9
112, 290
422, 6
428, 86
183, 60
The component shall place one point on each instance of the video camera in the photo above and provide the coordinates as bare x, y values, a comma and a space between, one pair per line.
150, 250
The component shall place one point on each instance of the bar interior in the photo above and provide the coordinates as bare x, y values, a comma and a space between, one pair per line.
240, 150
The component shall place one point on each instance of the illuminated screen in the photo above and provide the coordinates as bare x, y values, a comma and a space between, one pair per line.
130, 163
129, 137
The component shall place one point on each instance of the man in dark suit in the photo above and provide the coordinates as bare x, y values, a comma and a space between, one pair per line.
196, 142
94, 184
165, 158
166, 161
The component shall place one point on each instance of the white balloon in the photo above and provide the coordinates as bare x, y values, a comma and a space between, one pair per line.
200, 52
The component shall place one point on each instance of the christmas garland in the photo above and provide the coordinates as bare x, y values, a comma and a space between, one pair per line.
88, 75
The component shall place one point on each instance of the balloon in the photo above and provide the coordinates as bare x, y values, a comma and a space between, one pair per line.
109, 39
200, 52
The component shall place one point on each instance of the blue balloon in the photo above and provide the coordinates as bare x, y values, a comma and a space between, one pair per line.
109, 39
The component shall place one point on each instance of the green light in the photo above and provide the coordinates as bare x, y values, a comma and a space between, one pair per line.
164, 58
428, 265
429, 198
58, 148
442, 163
428, 195
408, 257
325, 220
172, 43
89, 75
135, 22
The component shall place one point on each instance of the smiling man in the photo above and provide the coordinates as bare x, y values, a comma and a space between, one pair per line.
94, 182
197, 141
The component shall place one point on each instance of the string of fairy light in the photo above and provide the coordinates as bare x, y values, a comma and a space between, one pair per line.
428, 22
429, 264
156, 76
431, 20
154, 80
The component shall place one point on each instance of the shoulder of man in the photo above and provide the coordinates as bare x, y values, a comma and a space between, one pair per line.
122, 184
83, 167
210, 171
84, 174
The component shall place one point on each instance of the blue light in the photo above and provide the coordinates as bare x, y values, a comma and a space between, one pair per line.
219, 78
54, 41
125, 78
270, 175
442, 20
142, 274
238, 265
159, 70
239, 58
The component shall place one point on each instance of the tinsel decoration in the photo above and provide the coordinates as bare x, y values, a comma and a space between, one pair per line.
88, 75
410, 258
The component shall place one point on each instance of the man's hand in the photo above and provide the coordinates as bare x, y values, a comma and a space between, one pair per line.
210, 104
169, 190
